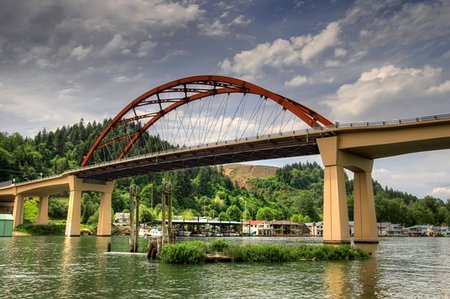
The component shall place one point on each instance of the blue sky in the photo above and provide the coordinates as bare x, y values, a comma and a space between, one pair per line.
61, 61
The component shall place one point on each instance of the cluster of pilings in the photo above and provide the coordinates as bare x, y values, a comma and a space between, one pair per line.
167, 233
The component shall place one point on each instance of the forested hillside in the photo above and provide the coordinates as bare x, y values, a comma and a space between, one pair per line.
295, 192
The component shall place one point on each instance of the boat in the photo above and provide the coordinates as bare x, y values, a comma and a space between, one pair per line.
152, 233
183, 233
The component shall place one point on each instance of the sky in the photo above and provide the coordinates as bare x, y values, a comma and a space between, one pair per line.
62, 61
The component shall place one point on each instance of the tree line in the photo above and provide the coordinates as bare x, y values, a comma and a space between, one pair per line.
295, 192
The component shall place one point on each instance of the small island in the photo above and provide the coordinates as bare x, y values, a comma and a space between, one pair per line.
195, 252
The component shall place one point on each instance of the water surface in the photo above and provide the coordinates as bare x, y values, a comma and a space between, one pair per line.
58, 267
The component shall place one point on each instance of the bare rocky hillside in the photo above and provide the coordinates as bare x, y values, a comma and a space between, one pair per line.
241, 173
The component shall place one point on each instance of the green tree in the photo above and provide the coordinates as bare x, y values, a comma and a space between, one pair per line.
246, 215
266, 213
223, 216
234, 213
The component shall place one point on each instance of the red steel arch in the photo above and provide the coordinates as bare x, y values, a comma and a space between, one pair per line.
204, 86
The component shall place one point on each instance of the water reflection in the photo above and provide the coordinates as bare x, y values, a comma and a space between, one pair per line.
368, 275
354, 279
68, 257
336, 279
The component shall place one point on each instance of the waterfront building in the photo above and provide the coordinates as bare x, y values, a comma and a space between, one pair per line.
394, 230
258, 228
419, 230
315, 228
286, 228
121, 219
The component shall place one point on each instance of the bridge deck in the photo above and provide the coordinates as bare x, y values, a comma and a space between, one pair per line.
267, 147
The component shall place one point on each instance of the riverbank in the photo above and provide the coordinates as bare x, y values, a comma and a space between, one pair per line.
51, 229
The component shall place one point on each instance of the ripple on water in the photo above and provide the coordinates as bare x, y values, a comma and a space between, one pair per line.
56, 267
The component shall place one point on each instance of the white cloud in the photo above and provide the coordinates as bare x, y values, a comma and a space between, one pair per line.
117, 43
332, 63
80, 52
339, 52
409, 23
383, 87
420, 174
145, 48
221, 28
281, 53
320, 42
241, 21
214, 29
440, 89
296, 81
441, 192
35, 53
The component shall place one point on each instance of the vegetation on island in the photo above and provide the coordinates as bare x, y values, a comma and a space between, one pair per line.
295, 192
194, 252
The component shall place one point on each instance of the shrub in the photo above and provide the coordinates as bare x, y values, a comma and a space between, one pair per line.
194, 252
184, 253
50, 229
219, 245
265, 253
235, 252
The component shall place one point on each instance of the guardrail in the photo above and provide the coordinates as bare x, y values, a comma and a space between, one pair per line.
6, 183
392, 122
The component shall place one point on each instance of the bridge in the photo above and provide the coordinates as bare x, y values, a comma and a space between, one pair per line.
210, 120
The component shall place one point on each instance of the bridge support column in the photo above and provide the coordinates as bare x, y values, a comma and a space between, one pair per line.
74, 214
335, 216
18, 210
43, 211
364, 209
104, 215
76, 186
335, 211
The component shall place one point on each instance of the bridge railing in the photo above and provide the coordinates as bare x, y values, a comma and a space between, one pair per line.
6, 183
391, 122
9, 183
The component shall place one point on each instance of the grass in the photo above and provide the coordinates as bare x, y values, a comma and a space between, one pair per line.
40, 230
195, 252
54, 228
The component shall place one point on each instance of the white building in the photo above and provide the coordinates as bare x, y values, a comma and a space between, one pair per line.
258, 228
121, 219
315, 228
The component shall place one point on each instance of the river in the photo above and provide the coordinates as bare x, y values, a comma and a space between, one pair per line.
58, 267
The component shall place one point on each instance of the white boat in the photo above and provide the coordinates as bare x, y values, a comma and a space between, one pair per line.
152, 233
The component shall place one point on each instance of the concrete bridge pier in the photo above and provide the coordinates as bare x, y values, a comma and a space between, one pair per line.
42, 218
335, 211
365, 219
18, 210
76, 187
104, 215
